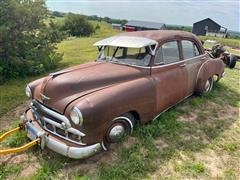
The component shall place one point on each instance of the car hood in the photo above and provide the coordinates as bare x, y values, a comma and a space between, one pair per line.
61, 88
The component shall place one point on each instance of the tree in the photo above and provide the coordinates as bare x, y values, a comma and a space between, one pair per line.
27, 44
57, 14
77, 25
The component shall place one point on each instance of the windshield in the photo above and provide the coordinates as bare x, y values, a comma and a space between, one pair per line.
125, 55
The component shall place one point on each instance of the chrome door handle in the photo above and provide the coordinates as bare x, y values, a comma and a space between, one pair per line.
182, 65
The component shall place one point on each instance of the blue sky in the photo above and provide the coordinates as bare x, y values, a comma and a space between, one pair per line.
181, 12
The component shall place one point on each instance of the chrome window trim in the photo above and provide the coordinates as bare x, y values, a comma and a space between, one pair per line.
143, 67
185, 60
164, 65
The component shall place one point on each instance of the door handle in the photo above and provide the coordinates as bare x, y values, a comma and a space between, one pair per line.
182, 65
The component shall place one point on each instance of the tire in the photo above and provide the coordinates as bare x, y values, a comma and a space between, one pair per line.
232, 61
121, 126
208, 85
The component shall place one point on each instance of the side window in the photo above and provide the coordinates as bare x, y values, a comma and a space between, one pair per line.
167, 53
159, 57
196, 51
190, 50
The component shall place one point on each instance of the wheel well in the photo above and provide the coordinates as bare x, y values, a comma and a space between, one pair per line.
135, 115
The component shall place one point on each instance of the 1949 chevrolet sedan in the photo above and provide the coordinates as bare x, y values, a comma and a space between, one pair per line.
83, 109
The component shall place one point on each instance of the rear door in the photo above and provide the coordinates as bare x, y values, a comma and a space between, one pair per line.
193, 60
170, 76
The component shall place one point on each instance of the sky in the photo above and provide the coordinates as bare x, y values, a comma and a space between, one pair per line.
181, 12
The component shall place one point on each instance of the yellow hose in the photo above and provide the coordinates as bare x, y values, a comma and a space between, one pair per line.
2, 137
19, 149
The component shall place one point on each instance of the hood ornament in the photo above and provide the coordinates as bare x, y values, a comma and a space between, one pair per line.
44, 97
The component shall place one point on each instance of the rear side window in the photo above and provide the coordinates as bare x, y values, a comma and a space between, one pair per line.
190, 50
167, 53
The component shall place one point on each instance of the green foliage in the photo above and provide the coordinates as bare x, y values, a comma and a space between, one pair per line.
58, 14
180, 28
97, 27
27, 44
197, 167
77, 25
107, 19
230, 147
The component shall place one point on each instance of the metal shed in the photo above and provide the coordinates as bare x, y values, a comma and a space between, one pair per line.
143, 25
208, 27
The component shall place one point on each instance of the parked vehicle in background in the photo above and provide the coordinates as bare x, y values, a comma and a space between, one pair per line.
83, 109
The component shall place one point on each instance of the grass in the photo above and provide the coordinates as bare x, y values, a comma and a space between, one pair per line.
197, 139
235, 43
7, 170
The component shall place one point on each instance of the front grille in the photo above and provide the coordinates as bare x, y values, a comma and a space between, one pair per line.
55, 123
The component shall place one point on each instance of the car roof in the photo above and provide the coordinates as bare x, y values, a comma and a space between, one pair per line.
160, 35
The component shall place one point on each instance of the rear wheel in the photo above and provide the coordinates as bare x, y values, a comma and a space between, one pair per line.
121, 126
208, 85
232, 61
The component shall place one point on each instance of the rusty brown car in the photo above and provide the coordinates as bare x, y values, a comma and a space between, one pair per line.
83, 109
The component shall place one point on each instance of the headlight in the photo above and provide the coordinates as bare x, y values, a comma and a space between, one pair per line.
28, 92
76, 116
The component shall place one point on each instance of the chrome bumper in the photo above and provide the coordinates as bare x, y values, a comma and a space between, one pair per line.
58, 146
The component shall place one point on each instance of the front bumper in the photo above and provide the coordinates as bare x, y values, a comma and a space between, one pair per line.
56, 144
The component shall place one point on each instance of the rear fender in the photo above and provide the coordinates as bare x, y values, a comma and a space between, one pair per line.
208, 69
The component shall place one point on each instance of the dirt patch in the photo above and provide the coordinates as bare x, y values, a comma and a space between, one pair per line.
29, 164
30, 168
7, 119
92, 165
13, 159
160, 143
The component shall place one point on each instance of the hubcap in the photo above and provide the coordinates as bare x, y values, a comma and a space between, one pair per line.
207, 86
116, 133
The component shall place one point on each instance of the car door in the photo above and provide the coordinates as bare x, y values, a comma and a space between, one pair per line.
193, 60
170, 76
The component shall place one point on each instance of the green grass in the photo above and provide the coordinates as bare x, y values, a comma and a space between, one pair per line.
6, 170
183, 143
235, 43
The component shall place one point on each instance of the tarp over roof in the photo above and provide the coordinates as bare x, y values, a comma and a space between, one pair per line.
126, 41
145, 24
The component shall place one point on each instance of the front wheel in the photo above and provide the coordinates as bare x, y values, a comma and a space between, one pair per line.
121, 126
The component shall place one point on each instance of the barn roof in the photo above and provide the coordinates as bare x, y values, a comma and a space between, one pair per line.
145, 24
208, 19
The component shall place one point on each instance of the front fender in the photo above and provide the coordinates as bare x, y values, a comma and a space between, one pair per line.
101, 107
209, 68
